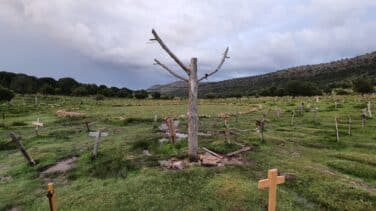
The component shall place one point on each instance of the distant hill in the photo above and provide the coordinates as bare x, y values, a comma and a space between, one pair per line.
323, 75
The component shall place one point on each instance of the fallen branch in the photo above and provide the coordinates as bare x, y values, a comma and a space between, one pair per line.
213, 153
244, 149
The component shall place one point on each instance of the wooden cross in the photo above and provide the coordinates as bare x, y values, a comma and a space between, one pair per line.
97, 135
271, 183
37, 125
260, 128
17, 140
171, 129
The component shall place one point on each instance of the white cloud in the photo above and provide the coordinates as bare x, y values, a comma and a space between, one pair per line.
262, 35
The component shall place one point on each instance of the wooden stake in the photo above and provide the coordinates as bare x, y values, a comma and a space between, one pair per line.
171, 129
271, 183
292, 118
350, 125
260, 128
337, 133
227, 131
50, 195
87, 126
97, 136
369, 109
17, 140
314, 114
363, 120
278, 111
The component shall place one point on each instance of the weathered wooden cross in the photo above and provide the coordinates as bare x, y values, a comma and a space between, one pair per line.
260, 128
97, 135
37, 125
171, 129
17, 140
271, 183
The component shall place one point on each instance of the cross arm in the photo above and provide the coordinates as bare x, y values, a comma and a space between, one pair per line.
218, 67
169, 52
264, 183
157, 62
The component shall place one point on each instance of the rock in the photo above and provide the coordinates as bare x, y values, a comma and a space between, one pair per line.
289, 176
146, 152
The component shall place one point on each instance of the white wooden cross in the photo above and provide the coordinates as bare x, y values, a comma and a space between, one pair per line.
97, 135
271, 183
37, 125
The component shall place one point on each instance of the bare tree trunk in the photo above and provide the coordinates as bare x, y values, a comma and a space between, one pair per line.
192, 111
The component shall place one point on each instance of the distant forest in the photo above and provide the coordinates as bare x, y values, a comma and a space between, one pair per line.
25, 84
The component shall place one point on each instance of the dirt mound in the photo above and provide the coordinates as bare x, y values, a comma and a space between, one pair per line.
61, 166
63, 113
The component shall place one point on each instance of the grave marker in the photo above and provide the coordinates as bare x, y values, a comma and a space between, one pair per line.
314, 110
369, 109
227, 131
271, 183
292, 118
50, 196
17, 140
37, 125
260, 128
336, 123
97, 135
171, 129
363, 116
349, 125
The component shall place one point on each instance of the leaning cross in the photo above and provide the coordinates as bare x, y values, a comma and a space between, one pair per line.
97, 135
37, 125
271, 183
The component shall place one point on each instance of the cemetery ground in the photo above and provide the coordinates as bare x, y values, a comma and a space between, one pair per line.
321, 172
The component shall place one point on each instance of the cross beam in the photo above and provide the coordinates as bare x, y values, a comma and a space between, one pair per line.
271, 183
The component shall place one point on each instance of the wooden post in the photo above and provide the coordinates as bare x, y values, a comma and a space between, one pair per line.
87, 126
336, 123
292, 118
335, 104
227, 131
17, 140
271, 183
260, 128
155, 118
97, 135
314, 114
350, 125
369, 109
278, 111
37, 125
363, 116
171, 129
50, 196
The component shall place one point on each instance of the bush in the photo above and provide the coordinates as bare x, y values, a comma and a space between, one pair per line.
210, 96
342, 92
156, 95
99, 97
80, 91
301, 88
363, 86
5, 94
142, 94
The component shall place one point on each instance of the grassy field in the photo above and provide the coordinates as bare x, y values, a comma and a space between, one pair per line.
330, 175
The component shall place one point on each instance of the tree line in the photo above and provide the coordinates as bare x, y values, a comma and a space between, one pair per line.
11, 83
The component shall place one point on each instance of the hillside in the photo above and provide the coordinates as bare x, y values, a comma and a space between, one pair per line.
323, 75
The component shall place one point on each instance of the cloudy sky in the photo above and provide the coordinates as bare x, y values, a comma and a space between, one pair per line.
107, 41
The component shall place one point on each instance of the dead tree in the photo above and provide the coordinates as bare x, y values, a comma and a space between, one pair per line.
193, 82
17, 140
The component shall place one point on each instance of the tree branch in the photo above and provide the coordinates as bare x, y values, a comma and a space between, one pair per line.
172, 55
169, 70
218, 67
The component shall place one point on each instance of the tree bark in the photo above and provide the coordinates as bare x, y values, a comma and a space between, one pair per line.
192, 111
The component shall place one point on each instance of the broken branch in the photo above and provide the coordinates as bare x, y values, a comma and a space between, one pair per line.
157, 62
172, 55
218, 67
213, 153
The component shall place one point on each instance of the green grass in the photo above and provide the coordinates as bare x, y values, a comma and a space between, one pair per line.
330, 175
